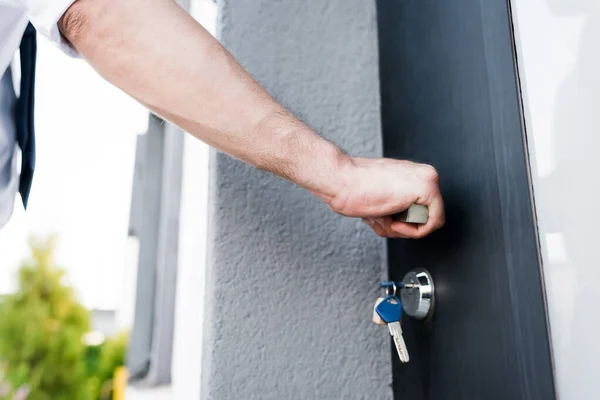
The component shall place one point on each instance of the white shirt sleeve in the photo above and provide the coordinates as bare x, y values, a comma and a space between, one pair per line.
44, 15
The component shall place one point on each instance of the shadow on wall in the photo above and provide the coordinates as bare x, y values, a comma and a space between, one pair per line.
566, 199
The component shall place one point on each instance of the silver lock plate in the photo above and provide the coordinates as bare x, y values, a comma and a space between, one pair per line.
418, 300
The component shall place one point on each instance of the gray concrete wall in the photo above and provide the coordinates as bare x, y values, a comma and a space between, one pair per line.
291, 285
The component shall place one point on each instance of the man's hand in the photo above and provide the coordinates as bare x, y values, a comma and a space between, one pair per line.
375, 189
179, 71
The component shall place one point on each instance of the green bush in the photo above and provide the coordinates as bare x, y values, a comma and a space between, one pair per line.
104, 359
42, 355
112, 355
41, 329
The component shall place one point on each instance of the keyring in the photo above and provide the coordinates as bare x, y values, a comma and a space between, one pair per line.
387, 290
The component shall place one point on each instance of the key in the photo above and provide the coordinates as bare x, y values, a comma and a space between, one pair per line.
399, 285
390, 311
396, 332
376, 318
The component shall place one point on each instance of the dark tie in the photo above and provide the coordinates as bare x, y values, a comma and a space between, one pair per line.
25, 131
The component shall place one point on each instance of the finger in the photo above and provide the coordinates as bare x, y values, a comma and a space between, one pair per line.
375, 226
405, 229
414, 231
386, 224
436, 215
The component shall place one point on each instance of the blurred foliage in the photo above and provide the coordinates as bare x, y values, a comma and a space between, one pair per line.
113, 354
41, 326
104, 359
42, 355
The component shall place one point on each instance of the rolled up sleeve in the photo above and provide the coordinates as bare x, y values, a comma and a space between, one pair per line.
44, 15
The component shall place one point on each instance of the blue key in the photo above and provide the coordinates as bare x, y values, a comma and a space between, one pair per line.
390, 311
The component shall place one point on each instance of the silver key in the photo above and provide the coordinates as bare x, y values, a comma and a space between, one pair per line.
396, 332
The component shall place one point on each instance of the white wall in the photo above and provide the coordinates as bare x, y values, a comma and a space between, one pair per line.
155, 393
558, 48
189, 306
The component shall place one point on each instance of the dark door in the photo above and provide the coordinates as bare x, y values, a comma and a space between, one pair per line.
450, 97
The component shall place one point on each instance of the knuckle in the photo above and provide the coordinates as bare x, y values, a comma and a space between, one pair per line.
431, 174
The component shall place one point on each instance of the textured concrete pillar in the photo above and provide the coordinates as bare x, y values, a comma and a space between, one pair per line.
291, 285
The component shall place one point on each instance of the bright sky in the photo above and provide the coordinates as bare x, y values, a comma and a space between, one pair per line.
85, 134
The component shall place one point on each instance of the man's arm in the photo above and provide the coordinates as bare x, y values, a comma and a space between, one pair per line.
154, 51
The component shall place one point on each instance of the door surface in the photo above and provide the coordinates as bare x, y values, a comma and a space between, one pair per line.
450, 97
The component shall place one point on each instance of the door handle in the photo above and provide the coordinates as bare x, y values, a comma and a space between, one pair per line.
415, 214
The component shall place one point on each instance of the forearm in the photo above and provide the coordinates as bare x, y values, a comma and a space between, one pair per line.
155, 52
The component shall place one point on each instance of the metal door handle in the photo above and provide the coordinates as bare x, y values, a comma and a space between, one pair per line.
415, 214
